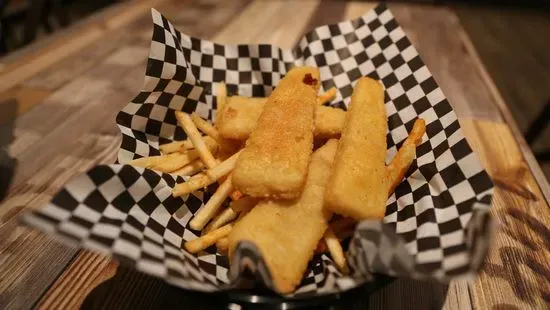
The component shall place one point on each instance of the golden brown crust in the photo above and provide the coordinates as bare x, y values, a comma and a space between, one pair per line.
328, 122
239, 119
275, 158
358, 183
286, 229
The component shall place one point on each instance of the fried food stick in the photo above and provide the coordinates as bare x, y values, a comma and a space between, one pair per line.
275, 158
287, 231
205, 126
208, 239
175, 146
222, 245
329, 95
174, 161
221, 219
405, 156
178, 146
193, 133
202, 180
336, 250
328, 122
190, 169
358, 184
241, 114
213, 205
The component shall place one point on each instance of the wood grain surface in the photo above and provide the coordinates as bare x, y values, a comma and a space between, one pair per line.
69, 90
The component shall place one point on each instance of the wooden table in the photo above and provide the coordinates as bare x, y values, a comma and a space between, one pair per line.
60, 131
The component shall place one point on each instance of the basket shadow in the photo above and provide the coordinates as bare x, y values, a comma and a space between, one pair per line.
130, 289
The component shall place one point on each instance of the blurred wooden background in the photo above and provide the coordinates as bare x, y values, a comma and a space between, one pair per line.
512, 41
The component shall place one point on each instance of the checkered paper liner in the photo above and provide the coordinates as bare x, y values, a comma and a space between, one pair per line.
436, 226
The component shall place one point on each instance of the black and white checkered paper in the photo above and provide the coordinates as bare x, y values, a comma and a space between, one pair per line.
436, 225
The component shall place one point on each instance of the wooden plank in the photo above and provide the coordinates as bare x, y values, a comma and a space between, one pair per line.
20, 71
285, 30
403, 293
253, 14
13, 60
24, 253
78, 280
515, 273
81, 62
26, 97
526, 151
64, 149
24, 71
357, 9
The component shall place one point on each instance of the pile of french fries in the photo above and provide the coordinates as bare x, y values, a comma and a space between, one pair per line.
209, 156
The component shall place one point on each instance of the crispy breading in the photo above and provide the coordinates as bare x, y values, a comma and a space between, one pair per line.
287, 231
328, 122
239, 119
275, 158
358, 184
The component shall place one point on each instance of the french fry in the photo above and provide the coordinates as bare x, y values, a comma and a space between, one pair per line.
208, 239
221, 96
148, 162
336, 251
196, 182
244, 204
178, 160
193, 134
177, 146
205, 126
223, 168
212, 206
221, 219
200, 181
328, 96
166, 163
190, 169
210, 143
171, 147
405, 156
222, 245
203, 180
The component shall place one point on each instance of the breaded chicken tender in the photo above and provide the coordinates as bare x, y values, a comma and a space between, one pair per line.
328, 122
241, 114
286, 232
275, 158
239, 117
358, 184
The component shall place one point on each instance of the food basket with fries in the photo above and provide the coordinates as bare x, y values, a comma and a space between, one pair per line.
307, 171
